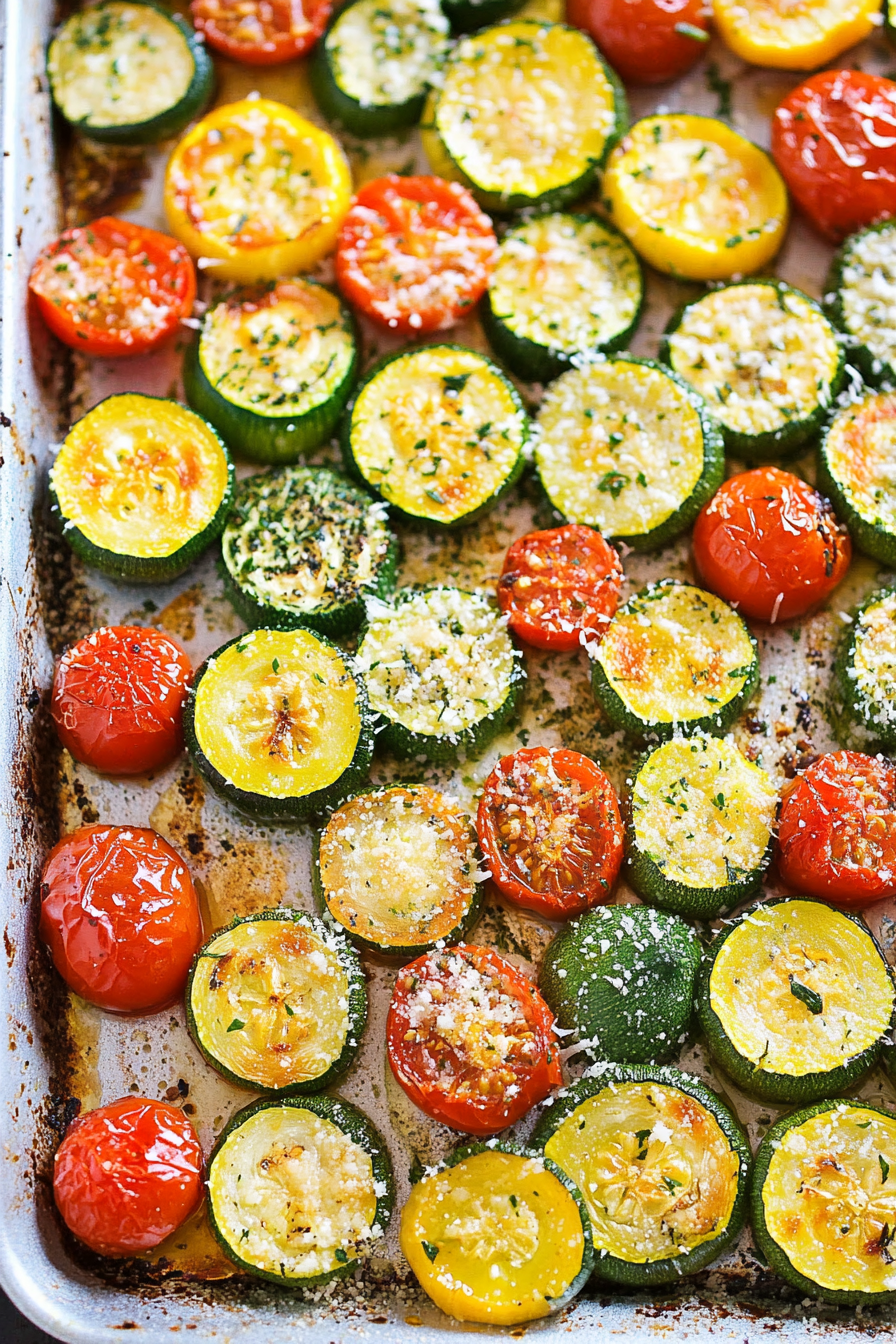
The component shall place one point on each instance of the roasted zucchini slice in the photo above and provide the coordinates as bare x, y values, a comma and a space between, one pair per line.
857, 470
700, 827
795, 999
437, 432
861, 300
396, 869
674, 659
300, 1189
663, 1166
141, 487
764, 358
304, 548
277, 722
824, 1202
469, 15
562, 285
865, 669
277, 1003
441, 672
497, 1235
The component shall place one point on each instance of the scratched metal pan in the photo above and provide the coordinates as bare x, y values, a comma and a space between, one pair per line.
59, 1053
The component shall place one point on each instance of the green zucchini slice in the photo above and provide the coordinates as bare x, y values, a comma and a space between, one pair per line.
142, 487
700, 827
277, 1003
437, 432
467, 16
865, 668
624, 446
304, 548
674, 659
861, 300
441, 672
273, 368
300, 1189
372, 71
795, 999
824, 1202
562, 285
620, 979
663, 1166
857, 470
543, 148
277, 722
129, 72
396, 869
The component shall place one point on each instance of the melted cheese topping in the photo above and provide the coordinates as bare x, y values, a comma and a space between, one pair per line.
289, 1190
438, 662
807, 944
270, 1002
872, 668
654, 1167
119, 65
830, 1198
702, 812
276, 713
868, 293
383, 57
618, 446
398, 866
860, 448
140, 476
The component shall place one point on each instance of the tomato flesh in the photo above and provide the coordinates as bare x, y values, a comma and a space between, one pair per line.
471, 1040
414, 253
112, 288
120, 916
837, 833
770, 544
127, 1175
560, 588
261, 32
834, 140
645, 41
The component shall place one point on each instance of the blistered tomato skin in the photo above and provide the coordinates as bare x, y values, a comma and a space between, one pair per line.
127, 1175
770, 544
560, 588
118, 699
645, 41
120, 916
261, 32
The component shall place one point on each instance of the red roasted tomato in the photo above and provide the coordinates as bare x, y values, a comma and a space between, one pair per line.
113, 288
120, 917
261, 32
551, 832
837, 833
834, 140
470, 1039
770, 544
118, 699
127, 1175
560, 588
645, 41
414, 253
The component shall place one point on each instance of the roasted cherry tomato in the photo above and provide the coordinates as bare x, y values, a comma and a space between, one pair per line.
261, 32
770, 544
834, 140
837, 832
550, 829
127, 1175
118, 699
560, 588
113, 288
645, 41
470, 1039
414, 253
120, 917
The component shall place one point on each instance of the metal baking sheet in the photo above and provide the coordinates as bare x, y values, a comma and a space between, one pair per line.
58, 1051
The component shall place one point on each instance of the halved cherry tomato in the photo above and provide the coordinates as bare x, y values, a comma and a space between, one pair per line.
127, 1175
120, 916
560, 588
770, 543
834, 140
837, 832
112, 288
645, 41
470, 1039
551, 832
261, 32
414, 253
118, 699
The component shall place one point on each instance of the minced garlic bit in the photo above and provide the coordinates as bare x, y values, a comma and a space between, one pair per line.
873, 665
383, 57
868, 293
